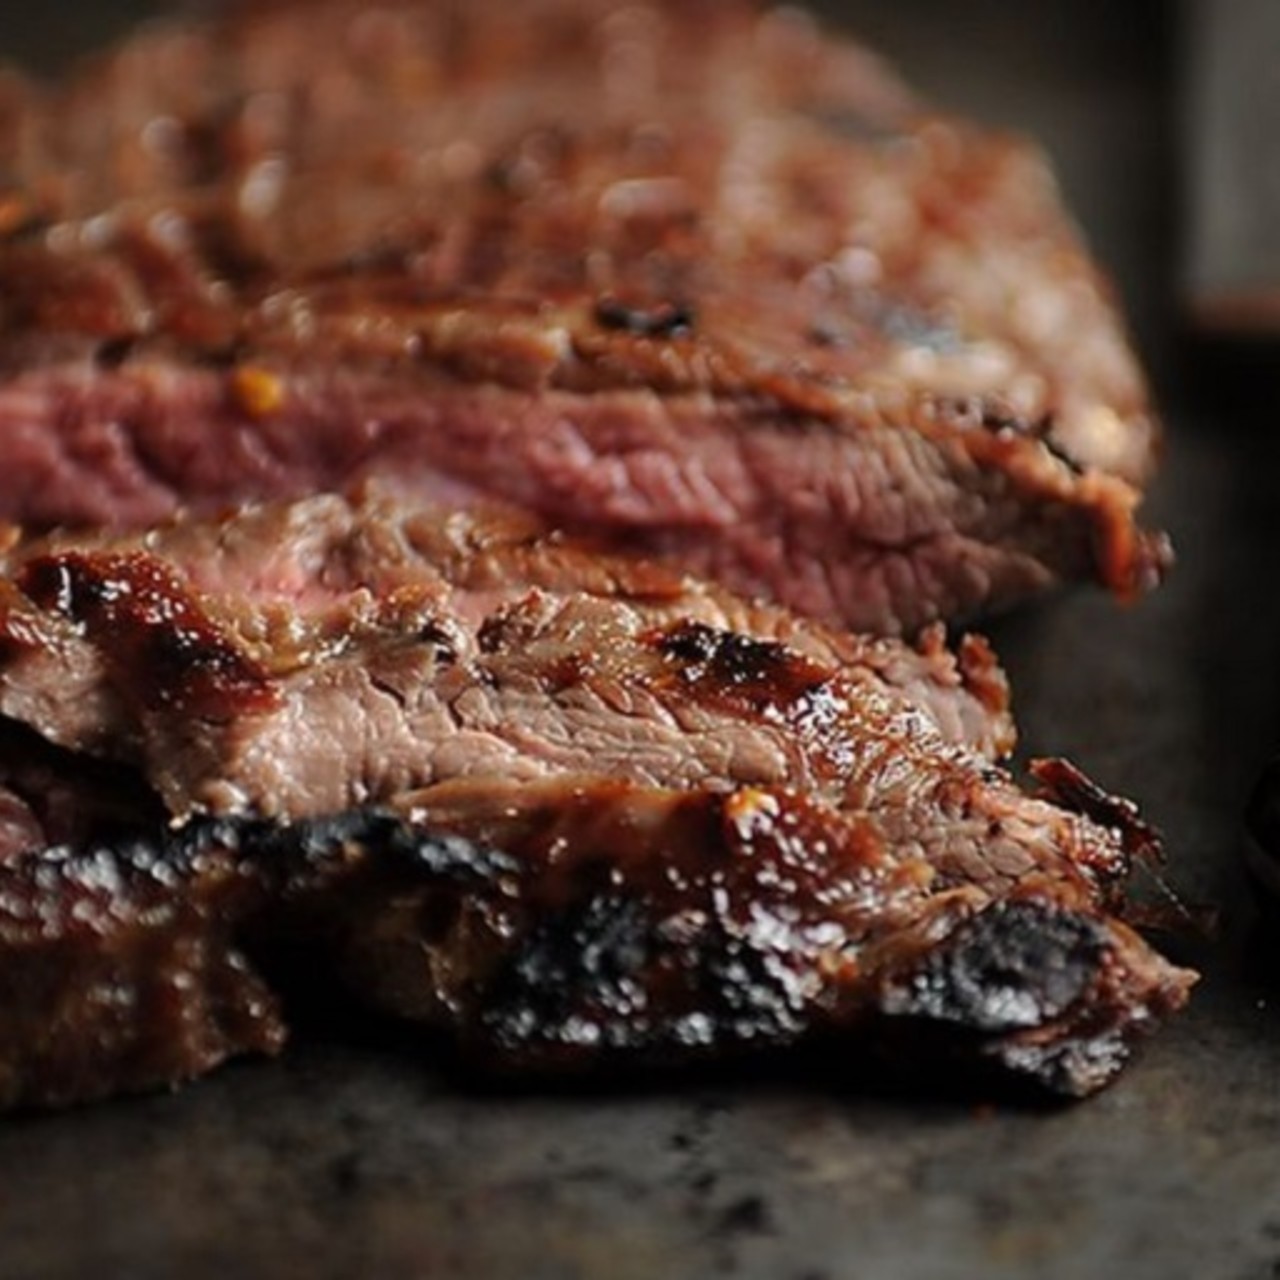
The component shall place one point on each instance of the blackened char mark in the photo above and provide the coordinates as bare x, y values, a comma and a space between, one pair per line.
740, 661
612, 973
658, 926
577, 979
1014, 965
163, 648
665, 320
296, 857
1020, 993
624, 967
130, 964
761, 672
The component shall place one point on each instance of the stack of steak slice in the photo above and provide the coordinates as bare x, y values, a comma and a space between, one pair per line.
675, 277
675, 274
571, 807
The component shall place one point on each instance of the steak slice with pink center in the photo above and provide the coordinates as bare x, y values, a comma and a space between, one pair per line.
746, 303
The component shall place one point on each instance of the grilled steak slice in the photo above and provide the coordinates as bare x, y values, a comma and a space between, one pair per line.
305, 658
575, 923
672, 923
676, 274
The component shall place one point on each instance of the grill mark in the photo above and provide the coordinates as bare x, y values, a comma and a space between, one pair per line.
160, 644
741, 662
665, 320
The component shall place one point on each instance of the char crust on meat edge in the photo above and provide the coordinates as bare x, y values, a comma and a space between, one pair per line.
608, 884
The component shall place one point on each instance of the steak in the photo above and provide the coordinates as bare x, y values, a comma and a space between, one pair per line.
306, 658
608, 923
678, 275
574, 809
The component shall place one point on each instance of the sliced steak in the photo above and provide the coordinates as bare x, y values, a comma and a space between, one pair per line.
292, 661
635, 815
317, 632
565, 926
677, 274
680, 923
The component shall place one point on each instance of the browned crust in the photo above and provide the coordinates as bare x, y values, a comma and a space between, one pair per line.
494, 243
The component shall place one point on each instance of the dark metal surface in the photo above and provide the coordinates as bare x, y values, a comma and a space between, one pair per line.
360, 1161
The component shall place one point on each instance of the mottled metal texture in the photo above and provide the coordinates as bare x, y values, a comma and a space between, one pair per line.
358, 1160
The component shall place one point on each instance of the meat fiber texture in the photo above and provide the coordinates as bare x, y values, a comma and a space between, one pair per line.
575, 810
682, 275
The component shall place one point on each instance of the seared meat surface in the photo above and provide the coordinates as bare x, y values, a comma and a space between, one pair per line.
587, 808
118, 968
677, 274
310, 657
575, 924
704, 921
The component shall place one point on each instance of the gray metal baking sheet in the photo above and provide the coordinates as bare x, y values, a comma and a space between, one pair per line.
362, 1160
